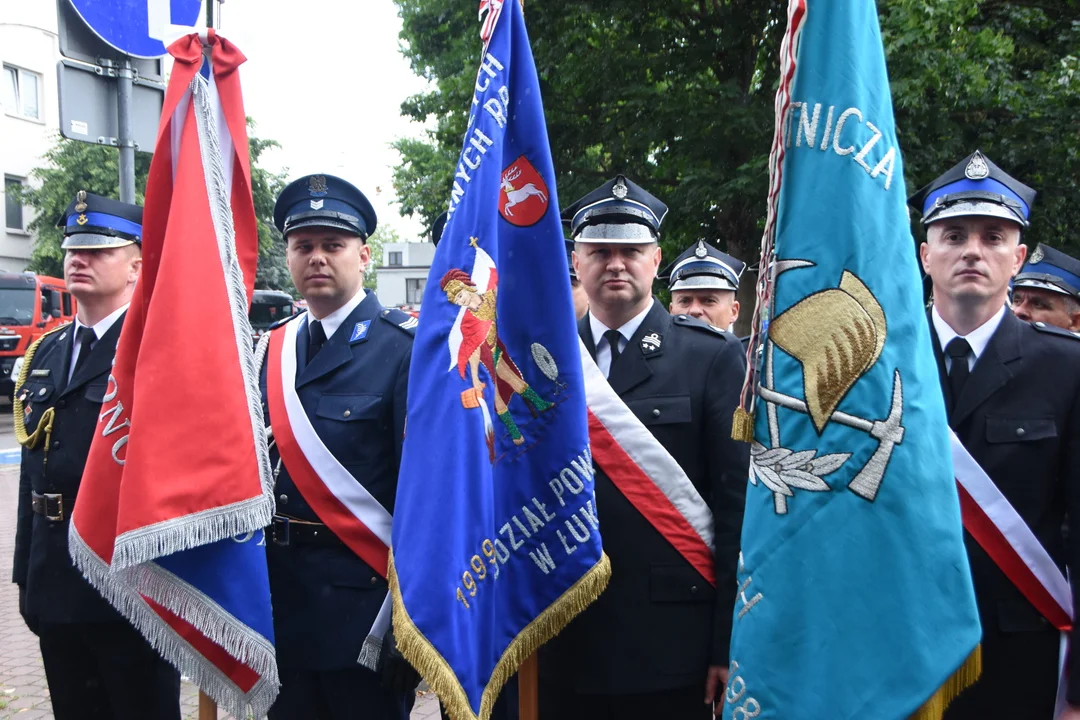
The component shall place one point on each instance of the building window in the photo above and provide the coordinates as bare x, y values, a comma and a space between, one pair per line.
414, 290
13, 207
21, 93
395, 258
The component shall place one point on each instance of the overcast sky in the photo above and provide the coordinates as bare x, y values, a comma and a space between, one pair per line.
325, 78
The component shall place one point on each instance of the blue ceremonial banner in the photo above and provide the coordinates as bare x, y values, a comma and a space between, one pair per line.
855, 597
496, 544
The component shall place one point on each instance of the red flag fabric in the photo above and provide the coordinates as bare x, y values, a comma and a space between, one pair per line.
177, 484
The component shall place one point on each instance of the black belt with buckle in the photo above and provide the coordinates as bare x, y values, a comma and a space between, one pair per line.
285, 531
51, 505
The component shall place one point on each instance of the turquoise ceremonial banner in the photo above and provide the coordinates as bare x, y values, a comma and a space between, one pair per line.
855, 597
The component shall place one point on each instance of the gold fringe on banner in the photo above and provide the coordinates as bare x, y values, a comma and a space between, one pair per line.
959, 681
430, 663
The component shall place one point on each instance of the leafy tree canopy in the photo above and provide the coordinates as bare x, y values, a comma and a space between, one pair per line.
71, 166
678, 95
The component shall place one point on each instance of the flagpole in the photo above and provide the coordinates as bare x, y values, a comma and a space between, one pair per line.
208, 709
528, 673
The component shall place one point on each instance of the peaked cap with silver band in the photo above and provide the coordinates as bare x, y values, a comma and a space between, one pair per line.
619, 211
92, 222
324, 201
703, 267
974, 186
1050, 269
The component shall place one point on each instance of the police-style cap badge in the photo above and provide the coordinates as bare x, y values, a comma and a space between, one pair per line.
1050, 269
703, 267
324, 201
619, 211
92, 222
437, 229
974, 186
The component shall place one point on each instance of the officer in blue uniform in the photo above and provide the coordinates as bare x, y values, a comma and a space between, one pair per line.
352, 369
655, 643
703, 282
1012, 391
1048, 289
97, 665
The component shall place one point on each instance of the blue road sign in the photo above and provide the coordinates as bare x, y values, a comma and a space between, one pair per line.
136, 27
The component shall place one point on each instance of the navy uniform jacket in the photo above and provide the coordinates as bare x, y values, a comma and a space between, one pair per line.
1019, 417
55, 590
326, 598
659, 624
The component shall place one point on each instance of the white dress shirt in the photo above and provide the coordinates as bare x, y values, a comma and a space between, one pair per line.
99, 329
333, 321
603, 349
978, 338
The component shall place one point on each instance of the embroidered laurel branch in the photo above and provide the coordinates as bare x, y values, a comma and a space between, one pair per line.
783, 471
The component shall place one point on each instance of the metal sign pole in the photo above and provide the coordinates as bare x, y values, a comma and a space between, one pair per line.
124, 78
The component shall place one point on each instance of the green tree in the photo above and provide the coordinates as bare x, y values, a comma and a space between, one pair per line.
71, 166
679, 96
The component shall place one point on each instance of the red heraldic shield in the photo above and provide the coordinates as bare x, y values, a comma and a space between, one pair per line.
523, 198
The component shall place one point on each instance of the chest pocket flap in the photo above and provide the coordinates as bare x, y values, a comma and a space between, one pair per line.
662, 410
38, 391
349, 408
1012, 428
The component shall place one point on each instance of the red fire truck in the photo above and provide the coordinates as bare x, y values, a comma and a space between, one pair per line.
30, 306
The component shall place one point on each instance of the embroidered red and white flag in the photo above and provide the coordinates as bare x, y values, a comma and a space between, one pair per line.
177, 486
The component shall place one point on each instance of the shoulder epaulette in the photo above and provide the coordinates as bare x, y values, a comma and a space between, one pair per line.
693, 322
282, 321
401, 320
1055, 330
28, 358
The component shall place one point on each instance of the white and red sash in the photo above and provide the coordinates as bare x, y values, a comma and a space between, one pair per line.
646, 473
1002, 533
342, 503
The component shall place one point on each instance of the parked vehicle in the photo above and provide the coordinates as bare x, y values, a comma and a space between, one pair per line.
30, 306
268, 307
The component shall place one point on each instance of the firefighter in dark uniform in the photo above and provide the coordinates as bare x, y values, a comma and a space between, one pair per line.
703, 282
96, 663
1048, 289
655, 644
352, 360
1012, 391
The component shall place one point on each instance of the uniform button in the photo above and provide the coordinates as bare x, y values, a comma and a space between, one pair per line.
374, 580
42, 391
682, 317
347, 413
1021, 431
656, 412
56, 444
1040, 324
283, 499
61, 404
693, 589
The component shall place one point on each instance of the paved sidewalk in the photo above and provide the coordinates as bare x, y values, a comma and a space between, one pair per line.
24, 694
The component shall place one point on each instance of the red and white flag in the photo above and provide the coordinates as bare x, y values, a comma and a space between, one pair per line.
177, 486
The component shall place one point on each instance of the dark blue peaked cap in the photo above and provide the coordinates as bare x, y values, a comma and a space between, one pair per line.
324, 201
974, 186
1050, 269
92, 222
703, 267
619, 211
437, 229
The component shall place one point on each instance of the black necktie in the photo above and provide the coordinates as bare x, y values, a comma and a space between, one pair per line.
958, 349
87, 337
316, 339
613, 336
